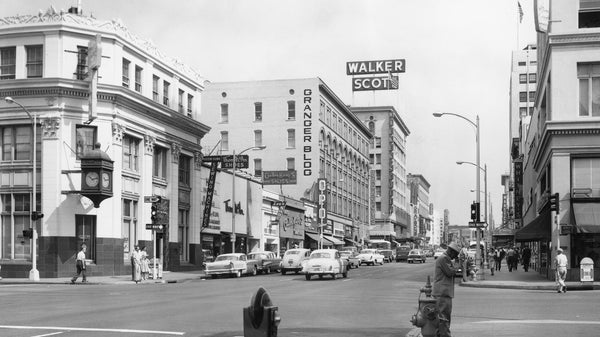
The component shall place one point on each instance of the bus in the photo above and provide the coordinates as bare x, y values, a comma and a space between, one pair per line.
380, 244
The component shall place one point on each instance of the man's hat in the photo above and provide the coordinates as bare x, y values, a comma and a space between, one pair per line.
454, 246
559, 250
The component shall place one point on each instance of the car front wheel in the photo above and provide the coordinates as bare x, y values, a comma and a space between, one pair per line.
345, 274
238, 273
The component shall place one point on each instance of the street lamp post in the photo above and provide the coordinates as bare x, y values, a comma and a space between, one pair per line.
478, 174
34, 274
262, 147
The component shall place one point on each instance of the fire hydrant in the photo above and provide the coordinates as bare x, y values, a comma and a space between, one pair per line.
426, 317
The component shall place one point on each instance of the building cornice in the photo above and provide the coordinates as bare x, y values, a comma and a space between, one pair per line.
115, 26
53, 87
566, 128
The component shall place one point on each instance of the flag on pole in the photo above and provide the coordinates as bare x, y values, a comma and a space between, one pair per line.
520, 12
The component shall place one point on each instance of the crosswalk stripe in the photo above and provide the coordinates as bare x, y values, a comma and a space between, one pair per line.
24, 327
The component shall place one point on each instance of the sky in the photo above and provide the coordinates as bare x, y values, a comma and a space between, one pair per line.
458, 57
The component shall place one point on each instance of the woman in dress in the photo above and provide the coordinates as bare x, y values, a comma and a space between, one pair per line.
145, 264
136, 260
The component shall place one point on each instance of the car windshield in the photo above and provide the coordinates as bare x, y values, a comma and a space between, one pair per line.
320, 255
345, 253
227, 258
415, 252
257, 255
292, 252
368, 251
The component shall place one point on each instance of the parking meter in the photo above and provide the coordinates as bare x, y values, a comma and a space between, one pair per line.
261, 318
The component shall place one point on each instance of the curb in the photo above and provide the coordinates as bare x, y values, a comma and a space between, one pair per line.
550, 287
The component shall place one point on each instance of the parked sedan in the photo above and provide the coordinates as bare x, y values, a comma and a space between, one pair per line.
233, 264
325, 262
351, 258
292, 260
370, 256
267, 262
416, 255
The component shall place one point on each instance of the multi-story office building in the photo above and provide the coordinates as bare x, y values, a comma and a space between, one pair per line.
387, 155
143, 110
306, 129
419, 201
561, 150
523, 81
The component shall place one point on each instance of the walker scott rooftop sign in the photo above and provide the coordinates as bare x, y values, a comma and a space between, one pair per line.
382, 82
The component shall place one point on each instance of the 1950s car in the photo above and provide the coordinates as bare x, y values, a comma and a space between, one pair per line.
351, 258
370, 256
233, 264
325, 262
292, 260
267, 262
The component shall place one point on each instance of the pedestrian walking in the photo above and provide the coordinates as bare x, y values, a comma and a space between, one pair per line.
443, 287
526, 257
492, 259
498, 259
80, 265
510, 255
516, 259
136, 260
145, 264
560, 263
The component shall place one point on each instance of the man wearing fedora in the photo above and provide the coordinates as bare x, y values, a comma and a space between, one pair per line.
443, 287
560, 263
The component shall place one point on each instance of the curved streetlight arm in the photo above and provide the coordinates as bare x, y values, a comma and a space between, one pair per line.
440, 114
470, 163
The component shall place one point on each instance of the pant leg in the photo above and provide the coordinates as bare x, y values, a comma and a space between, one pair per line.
444, 306
77, 275
83, 270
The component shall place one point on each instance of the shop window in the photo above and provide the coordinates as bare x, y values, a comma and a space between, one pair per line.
129, 227
589, 13
85, 232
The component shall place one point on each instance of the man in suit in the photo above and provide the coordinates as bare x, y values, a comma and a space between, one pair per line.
443, 287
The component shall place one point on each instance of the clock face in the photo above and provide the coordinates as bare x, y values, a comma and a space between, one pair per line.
105, 179
92, 179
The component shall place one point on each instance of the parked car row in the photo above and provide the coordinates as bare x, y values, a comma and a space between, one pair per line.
319, 262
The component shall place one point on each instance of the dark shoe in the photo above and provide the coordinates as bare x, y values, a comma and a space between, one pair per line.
72, 281
559, 291
564, 289
84, 281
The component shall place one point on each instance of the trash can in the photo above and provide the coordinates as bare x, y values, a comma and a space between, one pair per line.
586, 270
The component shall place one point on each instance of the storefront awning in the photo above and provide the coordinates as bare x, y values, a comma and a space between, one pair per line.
587, 217
351, 241
333, 240
313, 236
537, 230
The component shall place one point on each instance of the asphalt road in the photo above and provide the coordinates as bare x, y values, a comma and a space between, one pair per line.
372, 301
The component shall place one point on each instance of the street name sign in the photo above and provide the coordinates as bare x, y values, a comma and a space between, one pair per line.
477, 225
154, 227
210, 159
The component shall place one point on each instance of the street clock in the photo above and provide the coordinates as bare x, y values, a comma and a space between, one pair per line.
96, 175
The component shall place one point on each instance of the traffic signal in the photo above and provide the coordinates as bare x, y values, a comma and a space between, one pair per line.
554, 203
475, 212
36, 215
153, 212
28, 233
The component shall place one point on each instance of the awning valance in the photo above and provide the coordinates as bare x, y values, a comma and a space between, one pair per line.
537, 230
587, 217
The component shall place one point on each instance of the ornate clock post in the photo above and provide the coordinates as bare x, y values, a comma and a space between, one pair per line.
96, 175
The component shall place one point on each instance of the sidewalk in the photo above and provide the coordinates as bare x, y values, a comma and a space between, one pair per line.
519, 279
168, 277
